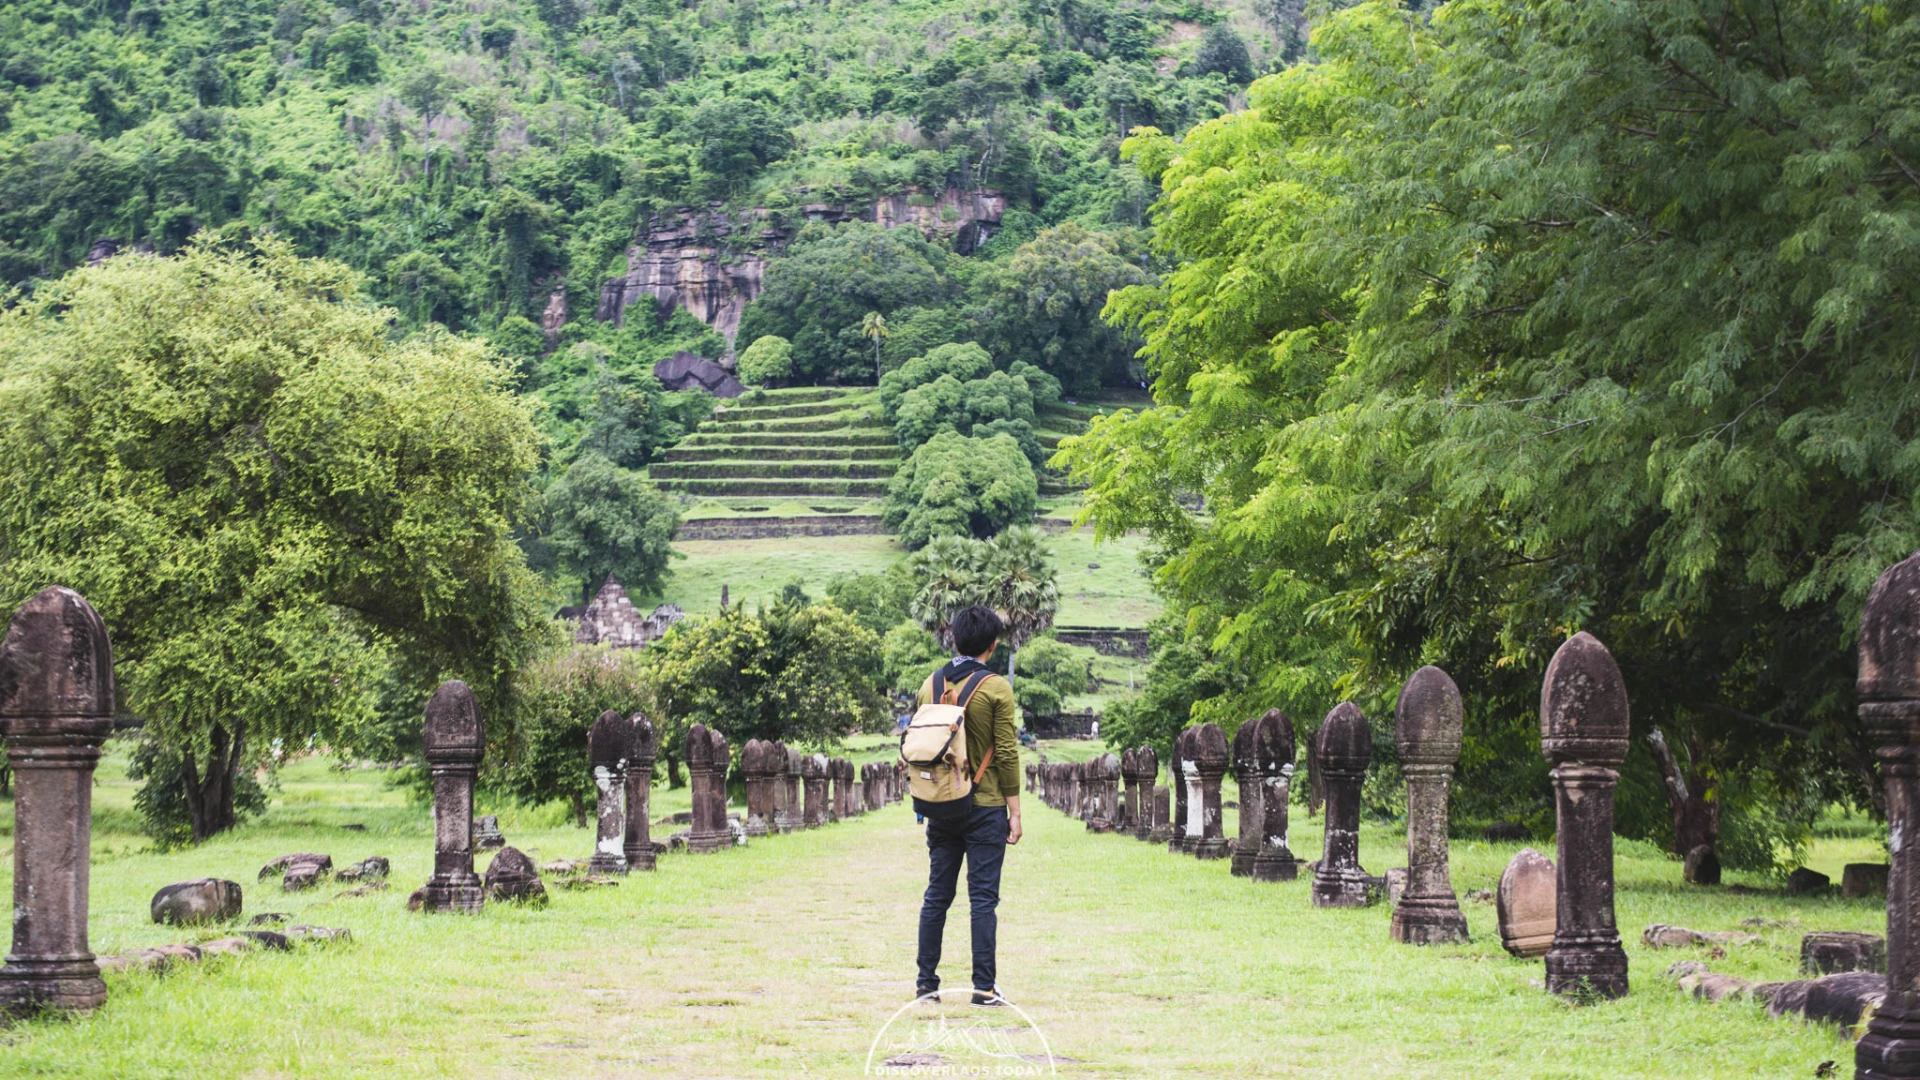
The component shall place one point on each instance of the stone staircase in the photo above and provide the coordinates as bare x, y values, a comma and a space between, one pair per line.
808, 441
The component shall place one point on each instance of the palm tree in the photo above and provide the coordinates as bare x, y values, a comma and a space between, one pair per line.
1024, 587
874, 328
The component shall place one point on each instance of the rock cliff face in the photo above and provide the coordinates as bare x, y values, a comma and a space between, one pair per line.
713, 264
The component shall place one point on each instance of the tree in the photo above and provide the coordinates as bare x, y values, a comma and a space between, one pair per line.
1055, 672
874, 328
766, 362
794, 671
1222, 52
267, 495
907, 654
351, 57
1546, 317
555, 699
1012, 573
957, 485
610, 521
1052, 292
876, 601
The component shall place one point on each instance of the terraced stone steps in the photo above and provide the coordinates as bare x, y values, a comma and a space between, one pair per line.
777, 412
756, 440
856, 419
769, 489
775, 470
820, 452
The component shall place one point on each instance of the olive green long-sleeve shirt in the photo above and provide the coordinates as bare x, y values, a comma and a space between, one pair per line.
991, 715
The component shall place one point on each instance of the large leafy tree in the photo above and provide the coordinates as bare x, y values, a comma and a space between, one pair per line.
960, 486
555, 699
269, 498
1541, 317
610, 520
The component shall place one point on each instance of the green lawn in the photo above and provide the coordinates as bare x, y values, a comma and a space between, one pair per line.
785, 958
1100, 585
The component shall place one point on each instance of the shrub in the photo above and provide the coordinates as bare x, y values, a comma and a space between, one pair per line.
962, 486
766, 362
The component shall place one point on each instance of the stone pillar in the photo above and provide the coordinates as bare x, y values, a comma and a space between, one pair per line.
813, 771
1162, 831
1889, 692
609, 744
1105, 773
1246, 774
1583, 732
1031, 769
849, 785
1341, 755
1124, 810
1273, 753
1428, 722
1210, 759
455, 741
1147, 766
1177, 784
897, 783
639, 844
56, 709
876, 795
756, 762
707, 758
786, 804
797, 798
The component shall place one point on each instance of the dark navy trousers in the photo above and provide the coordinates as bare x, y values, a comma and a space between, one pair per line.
980, 838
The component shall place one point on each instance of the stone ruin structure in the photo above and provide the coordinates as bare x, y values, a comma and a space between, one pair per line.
707, 759
611, 619
788, 810
847, 800
1527, 903
638, 844
813, 774
1162, 830
1889, 692
1180, 842
1253, 818
1105, 772
609, 745
1428, 726
56, 709
1341, 755
487, 834
1209, 765
455, 741
1273, 751
1583, 733
757, 765
1146, 769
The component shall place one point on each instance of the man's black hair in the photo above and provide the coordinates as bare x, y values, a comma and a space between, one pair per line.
975, 629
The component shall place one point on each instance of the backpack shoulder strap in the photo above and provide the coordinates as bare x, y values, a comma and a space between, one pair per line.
939, 686
973, 683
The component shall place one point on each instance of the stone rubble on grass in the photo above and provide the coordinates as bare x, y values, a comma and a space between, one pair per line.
588, 881
190, 903
512, 877
1844, 999
367, 889
370, 869
1662, 936
1864, 879
1830, 952
269, 918
487, 834
1805, 882
281, 864
319, 933
162, 956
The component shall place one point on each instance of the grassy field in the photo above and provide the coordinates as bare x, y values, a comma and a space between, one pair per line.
1100, 585
787, 957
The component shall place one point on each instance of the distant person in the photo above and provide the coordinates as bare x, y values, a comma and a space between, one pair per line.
977, 827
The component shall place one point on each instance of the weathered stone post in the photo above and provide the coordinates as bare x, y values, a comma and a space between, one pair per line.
1179, 843
1583, 732
1147, 771
639, 795
786, 791
1031, 770
1162, 831
707, 757
1341, 754
850, 786
609, 744
1210, 760
756, 762
813, 770
454, 742
56, 709
1124, 810
1889, 691
1428, 722
1246, 773
1106, 769
1273, 751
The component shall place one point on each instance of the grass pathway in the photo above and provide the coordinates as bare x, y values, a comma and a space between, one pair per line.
785, 958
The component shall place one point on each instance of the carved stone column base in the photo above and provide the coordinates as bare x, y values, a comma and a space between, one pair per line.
603, 863
1890, 1050
1339, 890
1428, 921
1578, 969
69, 985
1214, 847
1277, 867
459, 893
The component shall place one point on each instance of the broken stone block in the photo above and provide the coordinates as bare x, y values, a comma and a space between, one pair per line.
1394, 883
226, 946
1805, 882
1526, 904
269, 918
303, 875
364, 870
320, 933
1864, 879
511, 877
1827, 952
1702, 866
487, 834
191, 903
1662, 936
1836, 999
267, 939
280, 865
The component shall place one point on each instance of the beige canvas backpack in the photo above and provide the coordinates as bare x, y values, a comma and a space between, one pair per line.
934, 749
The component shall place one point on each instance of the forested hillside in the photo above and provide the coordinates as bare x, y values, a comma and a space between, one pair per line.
491, 162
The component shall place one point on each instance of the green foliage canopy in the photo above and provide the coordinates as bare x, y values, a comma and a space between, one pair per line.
955, 485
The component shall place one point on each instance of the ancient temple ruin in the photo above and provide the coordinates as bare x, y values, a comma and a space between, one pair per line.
613, 620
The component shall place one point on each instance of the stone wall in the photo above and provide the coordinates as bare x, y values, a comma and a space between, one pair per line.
772, 528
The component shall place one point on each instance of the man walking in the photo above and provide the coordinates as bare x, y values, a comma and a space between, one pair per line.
980, 835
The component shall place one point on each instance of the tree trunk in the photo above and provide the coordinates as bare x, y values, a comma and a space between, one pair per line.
1012, 655
579, 811
210, 800
1690, 795
1316, 789
674, 779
